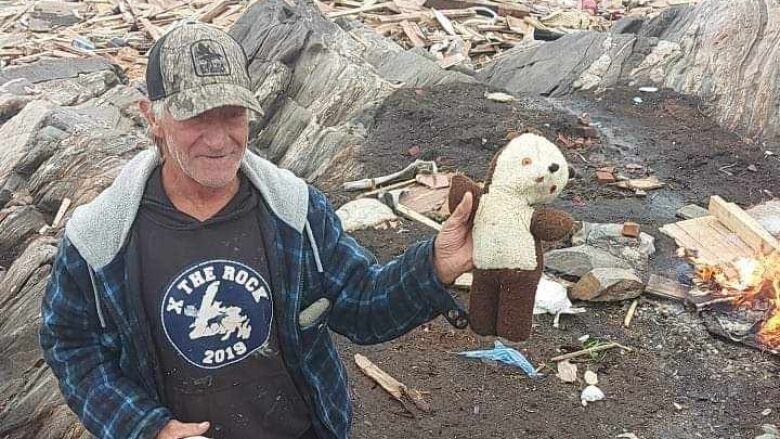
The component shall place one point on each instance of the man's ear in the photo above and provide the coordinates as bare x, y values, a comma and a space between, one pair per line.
146, 110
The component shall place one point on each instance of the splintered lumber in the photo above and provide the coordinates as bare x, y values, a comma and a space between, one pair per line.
413, 32
741, 223
214, 10
423, 15
587, 351
395, 388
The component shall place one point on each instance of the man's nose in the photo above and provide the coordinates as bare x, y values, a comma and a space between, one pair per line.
215, 135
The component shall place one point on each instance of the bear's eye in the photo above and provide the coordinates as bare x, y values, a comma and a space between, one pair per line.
527, 161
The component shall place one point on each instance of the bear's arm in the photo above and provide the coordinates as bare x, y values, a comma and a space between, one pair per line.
550, 224
459, 185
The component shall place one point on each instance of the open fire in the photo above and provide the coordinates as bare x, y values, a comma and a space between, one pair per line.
748, 283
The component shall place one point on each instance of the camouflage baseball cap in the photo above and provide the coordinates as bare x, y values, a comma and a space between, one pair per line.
196, 67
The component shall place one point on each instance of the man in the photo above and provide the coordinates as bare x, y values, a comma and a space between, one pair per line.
194, 295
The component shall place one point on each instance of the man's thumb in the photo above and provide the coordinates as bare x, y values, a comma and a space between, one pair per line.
187, 430
463, 211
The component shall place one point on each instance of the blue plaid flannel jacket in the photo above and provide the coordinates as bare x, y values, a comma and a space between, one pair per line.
93, 340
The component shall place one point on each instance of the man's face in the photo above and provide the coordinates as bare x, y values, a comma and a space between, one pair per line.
207, 148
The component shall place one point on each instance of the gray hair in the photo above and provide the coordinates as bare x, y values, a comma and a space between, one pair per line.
159, 110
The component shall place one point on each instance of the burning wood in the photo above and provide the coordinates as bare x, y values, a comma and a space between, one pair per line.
749, 283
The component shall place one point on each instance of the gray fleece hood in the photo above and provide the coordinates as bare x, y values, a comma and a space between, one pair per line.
99, 229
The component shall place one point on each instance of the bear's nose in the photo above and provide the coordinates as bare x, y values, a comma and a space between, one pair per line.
554, 168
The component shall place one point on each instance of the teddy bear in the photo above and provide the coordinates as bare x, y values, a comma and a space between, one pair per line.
507, 231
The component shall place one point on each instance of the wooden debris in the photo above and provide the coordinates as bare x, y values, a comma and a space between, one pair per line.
712, 241
413, 32
665, 288
61, 212
630, 313
597, 348
738, 221
643, 184
395, 388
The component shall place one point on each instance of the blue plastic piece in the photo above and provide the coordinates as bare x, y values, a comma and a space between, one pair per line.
506, 355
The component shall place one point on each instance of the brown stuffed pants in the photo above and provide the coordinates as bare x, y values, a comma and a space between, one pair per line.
502, 302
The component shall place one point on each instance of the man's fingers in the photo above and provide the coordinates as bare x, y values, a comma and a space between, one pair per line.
463, 211
188, 430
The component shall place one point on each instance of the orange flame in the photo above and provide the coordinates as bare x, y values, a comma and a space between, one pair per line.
751, 282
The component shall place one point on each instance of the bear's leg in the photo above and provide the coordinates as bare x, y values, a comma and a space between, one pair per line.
516, 304
483, 302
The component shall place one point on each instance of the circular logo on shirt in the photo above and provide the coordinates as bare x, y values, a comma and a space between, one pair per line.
217, 312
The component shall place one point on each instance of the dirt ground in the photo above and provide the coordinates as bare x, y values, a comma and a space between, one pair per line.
678, 382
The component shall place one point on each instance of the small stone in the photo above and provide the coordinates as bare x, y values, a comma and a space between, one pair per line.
691, 211
567, 372
638, 100
752, 168
499, 97
591, 394
648, 89
608, 284
627, 436
579, 260
591, 378
766, 412
364, 213
584, 338
677, 406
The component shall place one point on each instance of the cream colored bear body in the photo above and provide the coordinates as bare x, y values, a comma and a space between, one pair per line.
529, 171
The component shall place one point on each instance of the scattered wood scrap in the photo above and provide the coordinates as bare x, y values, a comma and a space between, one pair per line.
666, 288
395, 388
597, 348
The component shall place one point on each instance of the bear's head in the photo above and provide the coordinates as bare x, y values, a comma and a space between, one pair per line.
530, 167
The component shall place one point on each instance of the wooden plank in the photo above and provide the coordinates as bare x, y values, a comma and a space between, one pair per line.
391, 385
728, 236
709, 240
666, 288
413, 32
375, 7
737, 220
685, 240
213, 10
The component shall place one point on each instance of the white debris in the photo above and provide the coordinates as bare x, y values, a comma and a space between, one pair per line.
567, 372
648, 89
584, 338
500, 97
638, 100
627, 436
552, 298
766, 412
591, 394
591, 378
364, 213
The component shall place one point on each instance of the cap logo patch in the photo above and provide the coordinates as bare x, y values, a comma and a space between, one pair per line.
208, 58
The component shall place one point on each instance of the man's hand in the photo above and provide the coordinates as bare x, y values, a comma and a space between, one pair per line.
179, 430
453, 247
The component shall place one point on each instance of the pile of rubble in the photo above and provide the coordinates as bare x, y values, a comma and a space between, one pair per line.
454, 31
118, 30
